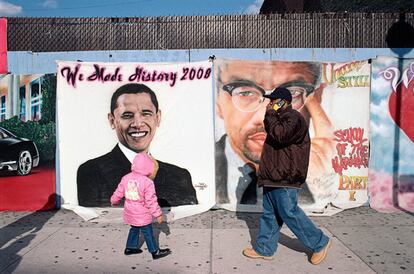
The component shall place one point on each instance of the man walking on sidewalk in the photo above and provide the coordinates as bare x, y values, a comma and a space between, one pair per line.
282, 171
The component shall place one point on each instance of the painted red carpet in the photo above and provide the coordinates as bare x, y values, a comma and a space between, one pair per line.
35, 191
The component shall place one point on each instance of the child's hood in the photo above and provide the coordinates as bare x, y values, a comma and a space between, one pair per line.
143, 164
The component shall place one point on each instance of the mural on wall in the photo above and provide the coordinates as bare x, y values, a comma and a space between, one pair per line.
333, 98
335, 105
391, 173
27, 142
110, 111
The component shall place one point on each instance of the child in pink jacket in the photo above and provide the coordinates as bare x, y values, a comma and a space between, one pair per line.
140, 205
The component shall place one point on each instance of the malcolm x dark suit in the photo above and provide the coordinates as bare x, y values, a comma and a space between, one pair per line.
98, 178
249, 195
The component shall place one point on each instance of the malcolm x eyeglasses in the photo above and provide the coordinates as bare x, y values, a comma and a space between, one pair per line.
247, 96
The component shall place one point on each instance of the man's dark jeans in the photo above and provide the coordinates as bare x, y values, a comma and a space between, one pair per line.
280, 205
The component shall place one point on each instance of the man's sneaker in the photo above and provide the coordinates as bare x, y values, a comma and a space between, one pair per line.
251, 253
160, 253
130, 251
318, 257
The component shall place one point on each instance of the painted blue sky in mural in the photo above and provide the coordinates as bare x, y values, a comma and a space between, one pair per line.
126, 8
382, 126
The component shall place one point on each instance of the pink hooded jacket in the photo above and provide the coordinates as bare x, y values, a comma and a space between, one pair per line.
139, 191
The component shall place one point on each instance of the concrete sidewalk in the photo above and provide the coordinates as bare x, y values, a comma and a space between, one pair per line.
364, 241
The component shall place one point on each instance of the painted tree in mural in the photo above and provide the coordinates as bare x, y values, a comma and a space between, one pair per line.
49, 98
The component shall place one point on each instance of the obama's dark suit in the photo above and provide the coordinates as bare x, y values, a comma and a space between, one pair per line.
98, 178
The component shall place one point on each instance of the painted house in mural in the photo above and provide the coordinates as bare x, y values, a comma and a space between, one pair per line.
20, 95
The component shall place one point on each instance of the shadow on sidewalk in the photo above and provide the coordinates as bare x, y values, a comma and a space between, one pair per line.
294, 244
157, 228
16, 236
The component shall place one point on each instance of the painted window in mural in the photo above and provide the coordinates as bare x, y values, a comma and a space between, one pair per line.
22, 103
35, 100
2, 108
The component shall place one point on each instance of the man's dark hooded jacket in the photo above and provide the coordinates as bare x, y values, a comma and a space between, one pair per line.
285, 156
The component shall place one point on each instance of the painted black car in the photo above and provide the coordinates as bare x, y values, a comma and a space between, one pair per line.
17, 154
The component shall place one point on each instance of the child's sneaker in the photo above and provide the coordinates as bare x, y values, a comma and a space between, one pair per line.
130, 251
160, 253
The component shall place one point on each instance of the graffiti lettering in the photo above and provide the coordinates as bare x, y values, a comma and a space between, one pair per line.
393, 74
341, 71
71, 76
353, 81
142, 75
353, 182
192, 73
349, 135
352, 195
357, 151
102, 75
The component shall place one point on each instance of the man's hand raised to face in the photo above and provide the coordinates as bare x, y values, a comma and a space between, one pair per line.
270, 105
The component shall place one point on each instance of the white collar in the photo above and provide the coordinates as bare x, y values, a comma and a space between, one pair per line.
130, 154
233, 160
237, 174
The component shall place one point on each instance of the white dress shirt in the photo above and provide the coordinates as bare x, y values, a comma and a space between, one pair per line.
238, 178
